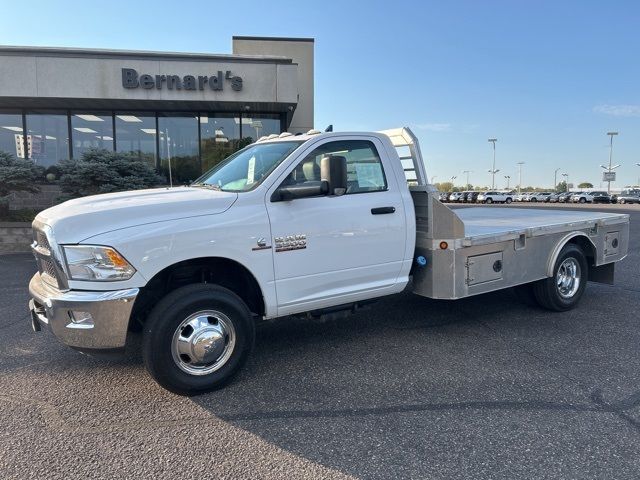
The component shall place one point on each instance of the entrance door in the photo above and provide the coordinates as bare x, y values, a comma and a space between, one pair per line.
338, 249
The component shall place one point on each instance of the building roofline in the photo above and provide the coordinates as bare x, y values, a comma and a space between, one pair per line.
136, 54
273, 39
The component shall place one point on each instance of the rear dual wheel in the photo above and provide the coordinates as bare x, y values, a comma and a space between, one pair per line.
564, 289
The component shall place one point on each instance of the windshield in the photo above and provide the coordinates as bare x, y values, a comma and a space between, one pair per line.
247, 168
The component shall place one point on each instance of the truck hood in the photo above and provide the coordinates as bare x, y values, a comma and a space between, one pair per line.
78, 219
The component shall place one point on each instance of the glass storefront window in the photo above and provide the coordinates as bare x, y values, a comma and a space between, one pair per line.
48, 138
219, 138
255, 126
11, 134
179, 146
136, 134
91, 130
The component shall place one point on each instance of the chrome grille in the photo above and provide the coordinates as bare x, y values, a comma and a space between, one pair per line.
41, 239
44, 257
48, 267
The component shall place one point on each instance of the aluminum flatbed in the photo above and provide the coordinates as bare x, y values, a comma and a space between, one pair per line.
484, 225
467, 251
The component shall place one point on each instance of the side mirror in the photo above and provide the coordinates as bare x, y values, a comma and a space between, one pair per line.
333, 170
305, 190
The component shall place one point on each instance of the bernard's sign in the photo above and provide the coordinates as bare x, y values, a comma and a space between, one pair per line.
131, 79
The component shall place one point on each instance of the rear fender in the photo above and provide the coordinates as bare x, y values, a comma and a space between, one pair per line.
551, 262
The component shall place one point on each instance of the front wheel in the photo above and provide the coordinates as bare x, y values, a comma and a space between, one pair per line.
564, 289
583, 200
509, 200
488, 200
622, 201
197, 338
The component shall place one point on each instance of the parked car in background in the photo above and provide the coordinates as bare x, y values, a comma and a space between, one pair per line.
527, 196
472, 197
455, 197
520, 197
443, 196
629, 196
539, 196
585, 197
601, 197
564, 197
463, 197
495, 197
553, 198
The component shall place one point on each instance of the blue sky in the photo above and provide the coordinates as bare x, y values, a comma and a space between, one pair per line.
547, 78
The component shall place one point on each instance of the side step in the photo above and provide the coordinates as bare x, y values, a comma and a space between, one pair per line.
338, 312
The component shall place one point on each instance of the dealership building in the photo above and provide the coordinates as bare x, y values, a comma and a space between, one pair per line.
188, 110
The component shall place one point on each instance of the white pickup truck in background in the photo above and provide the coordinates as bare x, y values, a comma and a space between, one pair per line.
495, 197
314, 224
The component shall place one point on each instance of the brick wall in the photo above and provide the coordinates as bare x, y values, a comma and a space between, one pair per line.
45, 198
15, 237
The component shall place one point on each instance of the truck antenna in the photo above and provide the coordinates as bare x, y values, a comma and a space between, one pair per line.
329, 128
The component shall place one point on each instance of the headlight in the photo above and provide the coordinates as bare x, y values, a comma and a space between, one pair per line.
95, 263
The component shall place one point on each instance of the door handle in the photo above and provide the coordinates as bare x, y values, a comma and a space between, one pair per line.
382, 210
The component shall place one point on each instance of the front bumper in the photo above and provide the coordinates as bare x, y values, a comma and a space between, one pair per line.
109, 314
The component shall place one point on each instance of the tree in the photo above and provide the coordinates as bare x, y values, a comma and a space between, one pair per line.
17, 175
444, 186
561, 187
585, 185
102, 171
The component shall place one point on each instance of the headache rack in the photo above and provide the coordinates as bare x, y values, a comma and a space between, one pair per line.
408, 148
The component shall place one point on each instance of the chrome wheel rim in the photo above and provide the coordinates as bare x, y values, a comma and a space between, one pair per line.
568, 277
203, 342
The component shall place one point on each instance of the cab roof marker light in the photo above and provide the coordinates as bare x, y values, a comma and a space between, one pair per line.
286, 134
313, 131
273, 135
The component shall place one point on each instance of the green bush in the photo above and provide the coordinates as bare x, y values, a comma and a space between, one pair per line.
16, 175
102, 171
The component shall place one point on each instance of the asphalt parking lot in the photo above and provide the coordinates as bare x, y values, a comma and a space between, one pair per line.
413, 388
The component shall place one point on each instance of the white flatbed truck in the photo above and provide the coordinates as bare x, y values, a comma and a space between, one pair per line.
313, 224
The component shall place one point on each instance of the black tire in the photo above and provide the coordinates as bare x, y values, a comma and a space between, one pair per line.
534, 199
161, 329
548, 293
489, 200
509, 200
622, 201
583, 200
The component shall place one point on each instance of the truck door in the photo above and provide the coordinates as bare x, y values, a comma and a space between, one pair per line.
330, 250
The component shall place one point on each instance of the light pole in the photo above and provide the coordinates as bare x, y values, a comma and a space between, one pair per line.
520, 176
471, 171
611, 168
555, 179
493, 170
452, 181
508, 177
638, 164
566, 181
433, 179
